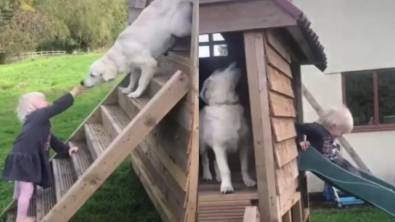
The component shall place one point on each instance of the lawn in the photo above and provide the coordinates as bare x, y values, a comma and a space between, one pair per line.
122, 198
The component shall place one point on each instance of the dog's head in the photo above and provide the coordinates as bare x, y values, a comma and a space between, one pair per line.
220, 87
99, 72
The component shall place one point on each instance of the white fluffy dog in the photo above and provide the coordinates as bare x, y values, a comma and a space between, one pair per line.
223, 127
141, 43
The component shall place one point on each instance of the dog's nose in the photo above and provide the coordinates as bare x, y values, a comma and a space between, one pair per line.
82, 83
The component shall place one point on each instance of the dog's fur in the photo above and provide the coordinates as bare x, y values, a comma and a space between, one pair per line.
140, 44
223, 127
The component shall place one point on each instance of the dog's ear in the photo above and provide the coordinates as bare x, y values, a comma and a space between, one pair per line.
109, 74
232, 65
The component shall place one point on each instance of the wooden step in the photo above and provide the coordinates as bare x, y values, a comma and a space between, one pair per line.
45, 200
11, 216
64, 176
96, 139
81, 160
115, 152
114, 120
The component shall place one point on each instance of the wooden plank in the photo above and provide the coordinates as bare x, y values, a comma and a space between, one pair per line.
120, 148
345, 144
285, 151
191, 200
281, 106
262, 132
251, 214
296, 71
273, 39
276, 61
290, 203
297, 214
279, 82
215, 196
286, 175
289, 191
151, 159
284, 128
169, 197
287, 217
45, 200
140, 4
63, 176
242, 16
155, 196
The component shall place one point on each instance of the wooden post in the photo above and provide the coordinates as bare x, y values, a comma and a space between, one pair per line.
262, 132
193, 149
303, 185
347, 146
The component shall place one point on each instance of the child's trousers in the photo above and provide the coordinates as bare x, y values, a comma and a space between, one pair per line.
23, 192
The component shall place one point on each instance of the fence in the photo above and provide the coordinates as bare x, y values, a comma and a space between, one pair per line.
33, 55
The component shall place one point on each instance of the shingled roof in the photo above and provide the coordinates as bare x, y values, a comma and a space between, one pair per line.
293, 21
308, 33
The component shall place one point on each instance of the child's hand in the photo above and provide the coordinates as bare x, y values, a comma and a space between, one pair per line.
305, 145
77, 91
73, 150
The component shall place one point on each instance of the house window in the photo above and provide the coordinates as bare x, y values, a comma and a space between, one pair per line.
211, 45
370, 95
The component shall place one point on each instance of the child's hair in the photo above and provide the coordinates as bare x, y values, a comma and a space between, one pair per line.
340, 117
25, 106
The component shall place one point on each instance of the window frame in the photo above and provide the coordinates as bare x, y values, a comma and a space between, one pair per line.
210, 43
376, 127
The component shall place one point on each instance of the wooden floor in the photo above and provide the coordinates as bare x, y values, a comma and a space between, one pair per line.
214, 206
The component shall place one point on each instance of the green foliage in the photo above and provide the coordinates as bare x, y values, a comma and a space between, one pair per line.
29, 25
91, 23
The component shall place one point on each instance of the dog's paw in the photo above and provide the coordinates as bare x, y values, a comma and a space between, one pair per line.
226, 188
249, 182
134, 95
207, 176
125, 90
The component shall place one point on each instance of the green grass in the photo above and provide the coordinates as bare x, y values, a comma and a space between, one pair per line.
122, 197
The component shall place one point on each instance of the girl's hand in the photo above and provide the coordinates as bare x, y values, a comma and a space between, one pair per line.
77, 91
73, 150
305, 145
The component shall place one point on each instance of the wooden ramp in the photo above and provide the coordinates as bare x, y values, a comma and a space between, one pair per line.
109, 135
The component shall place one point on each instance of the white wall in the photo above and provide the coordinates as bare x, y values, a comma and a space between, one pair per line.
357, 35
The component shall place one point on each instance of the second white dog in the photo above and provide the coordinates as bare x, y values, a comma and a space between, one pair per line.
140, 44
223, 127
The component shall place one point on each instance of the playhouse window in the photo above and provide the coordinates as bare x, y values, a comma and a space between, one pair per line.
212, 45
370, 97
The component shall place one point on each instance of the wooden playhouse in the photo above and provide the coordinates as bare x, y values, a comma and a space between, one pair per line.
269, 40
158, 131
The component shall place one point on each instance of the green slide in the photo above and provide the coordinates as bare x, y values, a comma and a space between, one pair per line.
369, 188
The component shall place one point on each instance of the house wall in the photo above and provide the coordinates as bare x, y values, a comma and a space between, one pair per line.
356, 36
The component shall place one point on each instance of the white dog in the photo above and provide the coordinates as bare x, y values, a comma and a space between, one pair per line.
223, 127
141, 43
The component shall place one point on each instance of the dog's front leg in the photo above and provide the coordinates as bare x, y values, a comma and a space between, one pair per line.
134, 76
205, 164
248, 181
222, 161
147, 72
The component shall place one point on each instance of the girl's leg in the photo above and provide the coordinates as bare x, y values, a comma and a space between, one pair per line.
343, 163
26, 190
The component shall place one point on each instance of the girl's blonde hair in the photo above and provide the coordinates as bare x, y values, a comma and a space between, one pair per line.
340, 118
25, 106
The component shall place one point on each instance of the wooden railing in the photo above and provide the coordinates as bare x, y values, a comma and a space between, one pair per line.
33, 55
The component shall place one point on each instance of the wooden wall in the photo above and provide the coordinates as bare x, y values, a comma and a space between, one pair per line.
272, 96
163, 159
